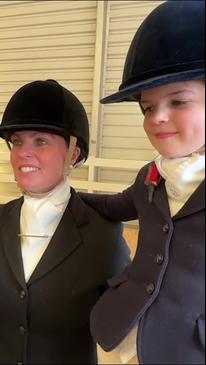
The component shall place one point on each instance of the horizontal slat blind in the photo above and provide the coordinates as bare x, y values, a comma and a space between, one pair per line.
123, 136
56, 39
41, 40
47, 39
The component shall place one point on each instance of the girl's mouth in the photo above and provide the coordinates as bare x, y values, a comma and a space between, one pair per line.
164, 135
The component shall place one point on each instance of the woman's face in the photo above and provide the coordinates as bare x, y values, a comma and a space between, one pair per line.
175, 117
38, 160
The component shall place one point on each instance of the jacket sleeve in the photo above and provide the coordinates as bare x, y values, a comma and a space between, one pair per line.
119, 257
116, 207
122, 253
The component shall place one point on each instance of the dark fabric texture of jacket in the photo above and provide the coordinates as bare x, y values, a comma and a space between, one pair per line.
164, 287
46, 321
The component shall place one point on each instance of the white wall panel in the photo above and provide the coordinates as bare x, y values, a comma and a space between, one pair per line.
46, 39
122, 133
124, 19
81, 44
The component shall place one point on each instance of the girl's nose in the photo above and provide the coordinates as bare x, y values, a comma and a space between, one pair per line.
160, 115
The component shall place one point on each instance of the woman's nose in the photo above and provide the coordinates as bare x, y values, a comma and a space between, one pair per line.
24, 151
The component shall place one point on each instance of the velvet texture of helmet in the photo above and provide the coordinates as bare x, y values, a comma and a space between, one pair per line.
167, 47
47, 106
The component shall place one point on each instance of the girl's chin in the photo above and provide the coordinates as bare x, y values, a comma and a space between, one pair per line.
169, 152
172, 153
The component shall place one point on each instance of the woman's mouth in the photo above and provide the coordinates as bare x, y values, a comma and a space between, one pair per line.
28, 169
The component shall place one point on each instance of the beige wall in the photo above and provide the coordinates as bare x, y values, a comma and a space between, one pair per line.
83, 45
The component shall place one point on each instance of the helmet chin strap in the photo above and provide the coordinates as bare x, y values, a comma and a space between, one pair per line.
70, 152
8, 145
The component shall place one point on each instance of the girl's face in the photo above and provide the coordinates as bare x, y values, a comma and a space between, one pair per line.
38, 160
174, 118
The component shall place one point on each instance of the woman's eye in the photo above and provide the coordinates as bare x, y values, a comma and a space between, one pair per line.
40, 142
16, 142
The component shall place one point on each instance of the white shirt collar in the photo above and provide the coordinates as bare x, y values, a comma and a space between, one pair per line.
40, 214
182, 174
182, 177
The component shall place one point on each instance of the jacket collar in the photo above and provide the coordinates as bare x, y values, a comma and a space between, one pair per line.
67, 235
10, 229
194, 204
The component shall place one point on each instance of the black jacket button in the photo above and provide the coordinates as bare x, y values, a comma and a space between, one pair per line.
165, 228
159, 258
150, 288
22, 294
22, 330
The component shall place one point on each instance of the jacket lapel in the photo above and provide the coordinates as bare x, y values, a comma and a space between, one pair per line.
160, 199
10, 239
194, 204
66, 239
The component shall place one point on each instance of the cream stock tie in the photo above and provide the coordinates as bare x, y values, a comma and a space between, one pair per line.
39, 220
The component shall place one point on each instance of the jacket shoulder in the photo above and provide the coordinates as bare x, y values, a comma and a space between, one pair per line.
10, 205
143, 172
100, 221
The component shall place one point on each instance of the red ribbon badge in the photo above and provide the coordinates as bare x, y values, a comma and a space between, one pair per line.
152, 179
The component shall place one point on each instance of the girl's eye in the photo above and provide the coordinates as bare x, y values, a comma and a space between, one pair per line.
147, 109
179, 102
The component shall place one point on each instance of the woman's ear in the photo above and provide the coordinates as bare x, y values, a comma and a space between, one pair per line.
75, 155
72, 163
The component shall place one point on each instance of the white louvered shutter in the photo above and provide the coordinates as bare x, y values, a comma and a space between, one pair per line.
123, 136
62, 40
41, 40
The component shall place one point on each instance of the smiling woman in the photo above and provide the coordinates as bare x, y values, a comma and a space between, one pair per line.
55, 251
39, 160
36, 137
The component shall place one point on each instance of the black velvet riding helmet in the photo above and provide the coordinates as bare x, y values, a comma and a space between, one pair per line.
47, 106
168, 47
